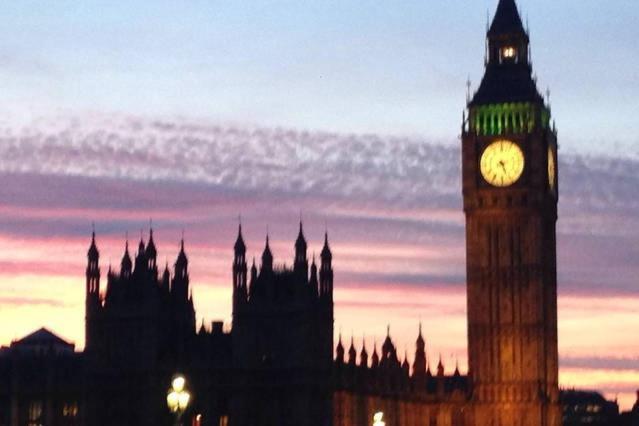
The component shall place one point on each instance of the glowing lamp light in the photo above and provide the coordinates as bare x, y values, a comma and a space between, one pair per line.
178, 384
178, 398
173, 401
378, 419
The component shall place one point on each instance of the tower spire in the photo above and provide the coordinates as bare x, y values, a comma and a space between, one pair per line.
507, 20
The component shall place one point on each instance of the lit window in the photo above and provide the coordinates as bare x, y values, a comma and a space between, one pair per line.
35, 413
70, 409
508, 52
224, 421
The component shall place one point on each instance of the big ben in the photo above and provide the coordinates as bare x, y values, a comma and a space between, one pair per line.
510, 189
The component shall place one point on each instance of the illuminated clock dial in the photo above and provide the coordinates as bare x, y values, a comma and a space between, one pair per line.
552, 169
502, 163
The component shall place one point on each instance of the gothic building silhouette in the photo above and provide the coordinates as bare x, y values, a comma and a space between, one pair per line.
276, 366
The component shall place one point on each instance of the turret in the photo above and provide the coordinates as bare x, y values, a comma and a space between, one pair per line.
405, 365
93, 270
140, 258
363, 356
339, 351
126, 265
375, 357
151, 255
92, 292
180, 286
352, 354
440, 367
313, 283
440, 377
267, 259
166, 278
387, 346
419, 364
300, 265
326, 271
240, 289
253, 273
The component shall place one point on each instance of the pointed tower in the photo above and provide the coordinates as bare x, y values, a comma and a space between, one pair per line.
180, 285
151, 255
363, 356
267, 259
166, 279
405, 365
419, 364
339, 351
313, 283
126, 265
240, 287
352, 354
141, 265
326, 271
93, 271
374, 357
253, 278
509, 163
92, 301
300, 266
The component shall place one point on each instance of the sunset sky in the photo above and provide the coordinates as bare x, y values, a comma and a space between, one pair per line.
348, 112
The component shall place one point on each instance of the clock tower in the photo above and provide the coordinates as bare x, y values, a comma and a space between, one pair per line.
510, 191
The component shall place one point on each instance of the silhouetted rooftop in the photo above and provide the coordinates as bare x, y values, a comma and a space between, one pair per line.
507, 20
507, 83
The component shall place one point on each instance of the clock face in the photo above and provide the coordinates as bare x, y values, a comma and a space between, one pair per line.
552, 169
502, 163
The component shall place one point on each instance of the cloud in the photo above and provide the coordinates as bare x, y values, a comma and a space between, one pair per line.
608, 363
392, 206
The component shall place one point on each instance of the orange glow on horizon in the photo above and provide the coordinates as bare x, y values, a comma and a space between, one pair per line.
44, 286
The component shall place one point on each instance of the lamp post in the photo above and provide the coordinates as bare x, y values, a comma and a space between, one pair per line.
378, 419
178, 398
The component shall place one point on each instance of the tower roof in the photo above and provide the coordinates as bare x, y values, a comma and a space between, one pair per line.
126, 258
239, 247
301, 241
151, 251
326, 251
507, 20
420, 339
502, 84
267, 256
181, 259
508, 76
93, 248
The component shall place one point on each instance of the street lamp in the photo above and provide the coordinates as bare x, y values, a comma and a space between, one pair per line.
178, 398
378, 419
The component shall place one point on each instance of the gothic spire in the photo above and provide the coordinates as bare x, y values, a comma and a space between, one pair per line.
267, 256
352, 353
127, 264
375, 356
182, 262
93, 253
363, 356
326, 251
300, 243
240, 247
151, 251
340, 350
440, 367
507, 20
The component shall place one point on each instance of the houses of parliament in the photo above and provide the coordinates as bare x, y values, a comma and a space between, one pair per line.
277, 365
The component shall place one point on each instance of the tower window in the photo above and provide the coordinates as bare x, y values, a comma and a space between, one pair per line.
508, 53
